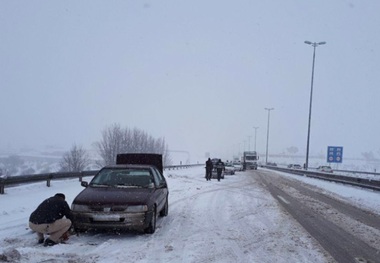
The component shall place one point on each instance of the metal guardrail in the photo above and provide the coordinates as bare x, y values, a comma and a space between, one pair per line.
48, 177
357, 172
362, 182
182, 166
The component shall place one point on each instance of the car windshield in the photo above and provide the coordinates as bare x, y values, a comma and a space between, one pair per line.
123, 178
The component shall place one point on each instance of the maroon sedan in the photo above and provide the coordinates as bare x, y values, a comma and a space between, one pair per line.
123, 196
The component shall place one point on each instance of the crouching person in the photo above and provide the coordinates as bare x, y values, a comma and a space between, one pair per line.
48, 219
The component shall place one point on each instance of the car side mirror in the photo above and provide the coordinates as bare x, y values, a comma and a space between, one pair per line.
162, 185
84, 183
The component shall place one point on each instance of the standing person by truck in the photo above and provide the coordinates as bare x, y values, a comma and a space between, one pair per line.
209, 167
219, 169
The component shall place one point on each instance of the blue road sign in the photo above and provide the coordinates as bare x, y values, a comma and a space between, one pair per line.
334, 154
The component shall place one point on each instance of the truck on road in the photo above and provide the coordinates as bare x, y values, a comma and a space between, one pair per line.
249, 160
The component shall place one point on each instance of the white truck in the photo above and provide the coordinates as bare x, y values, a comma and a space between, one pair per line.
249, 160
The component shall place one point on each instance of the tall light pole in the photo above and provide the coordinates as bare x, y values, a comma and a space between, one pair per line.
314, 45
249, 142
255, 135
266, 155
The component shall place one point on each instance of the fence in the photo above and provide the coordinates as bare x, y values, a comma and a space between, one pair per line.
362, 182
48, 177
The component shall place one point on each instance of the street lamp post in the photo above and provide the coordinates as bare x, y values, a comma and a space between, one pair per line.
314, 45
266, 155
255, 135
249, 143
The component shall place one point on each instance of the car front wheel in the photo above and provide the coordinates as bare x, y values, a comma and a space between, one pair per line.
80, 230
165, 210
152, 224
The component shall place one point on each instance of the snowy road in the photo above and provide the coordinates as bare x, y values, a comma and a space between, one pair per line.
235, 220
348, 233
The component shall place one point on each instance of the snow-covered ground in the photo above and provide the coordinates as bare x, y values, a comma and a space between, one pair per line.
234, 220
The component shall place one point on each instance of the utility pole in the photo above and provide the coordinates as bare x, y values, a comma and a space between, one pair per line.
255, 135
266, 155
314, 44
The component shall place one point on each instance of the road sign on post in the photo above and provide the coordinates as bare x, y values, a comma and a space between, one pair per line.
334, 154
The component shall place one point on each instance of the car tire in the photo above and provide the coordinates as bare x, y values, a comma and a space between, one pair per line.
152, 224
79, 230
165, 210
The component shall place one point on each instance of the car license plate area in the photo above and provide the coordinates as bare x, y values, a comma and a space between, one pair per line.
106, 218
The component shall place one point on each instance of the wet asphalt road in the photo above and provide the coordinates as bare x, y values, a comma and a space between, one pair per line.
347, 232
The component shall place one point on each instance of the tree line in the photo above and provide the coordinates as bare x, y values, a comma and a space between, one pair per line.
115, 139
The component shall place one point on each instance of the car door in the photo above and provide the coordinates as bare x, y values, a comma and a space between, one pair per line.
161, 192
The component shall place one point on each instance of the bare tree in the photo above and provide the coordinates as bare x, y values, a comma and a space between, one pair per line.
110, 145
12, 164
164, 148
76, 160
117, 140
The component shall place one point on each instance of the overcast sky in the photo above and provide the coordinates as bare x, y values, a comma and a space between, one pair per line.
198, 73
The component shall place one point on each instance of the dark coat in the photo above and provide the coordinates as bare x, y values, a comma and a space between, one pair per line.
50, 210
209, 165
220, 166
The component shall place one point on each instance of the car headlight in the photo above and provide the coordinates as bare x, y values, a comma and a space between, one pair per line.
137, 208
80, 208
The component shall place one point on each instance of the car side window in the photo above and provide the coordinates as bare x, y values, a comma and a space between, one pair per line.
158, 178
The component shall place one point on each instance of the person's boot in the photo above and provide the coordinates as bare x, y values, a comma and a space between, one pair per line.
41, 238
49, 243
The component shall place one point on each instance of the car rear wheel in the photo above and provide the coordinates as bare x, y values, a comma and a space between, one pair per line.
165, 210
152, 224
